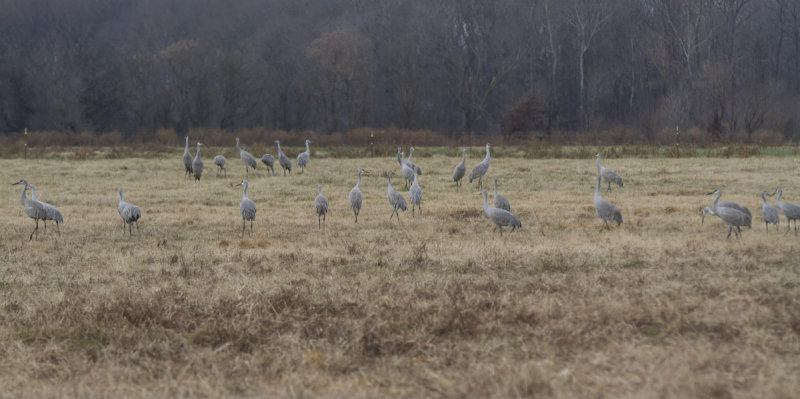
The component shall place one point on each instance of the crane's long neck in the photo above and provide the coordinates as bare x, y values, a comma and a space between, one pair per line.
237, 146
198, 151
495, 187
24, 195
400, 158
245, 191
410, 153
390, 183
764, 197
487, 154
279, 147
778, 200
307, 149
485, 201
464, 155
597, 162
358, 185
597, 188
319, 190
120, 195
33, 193
187, 144
719, 194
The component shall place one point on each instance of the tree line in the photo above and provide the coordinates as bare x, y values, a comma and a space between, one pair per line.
729, 68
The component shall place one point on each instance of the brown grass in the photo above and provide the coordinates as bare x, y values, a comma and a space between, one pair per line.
438, 306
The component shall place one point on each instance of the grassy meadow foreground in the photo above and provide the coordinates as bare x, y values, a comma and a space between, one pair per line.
433, 306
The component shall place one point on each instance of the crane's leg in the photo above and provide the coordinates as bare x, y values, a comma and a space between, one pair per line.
501, 230
730, 229
325, 218
480, 182
251, 227
244, 225
766, 224
420, 210
355, 213
35, 230
58, 228
137, 229
319, 221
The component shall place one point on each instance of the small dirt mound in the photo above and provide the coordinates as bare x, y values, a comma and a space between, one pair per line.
466, 213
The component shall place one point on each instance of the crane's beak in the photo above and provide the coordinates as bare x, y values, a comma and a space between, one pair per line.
713, 192
19, 182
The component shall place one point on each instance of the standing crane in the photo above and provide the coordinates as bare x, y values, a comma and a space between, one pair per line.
480, 169
197, 164
734, 216
283, 160
220, 161
606, 210
412, 165
187, 159
768, 212
500, 201
355, 196
460, 169
269, 160
49, 212
247, 208
320, 205
247, 158
396, 200
730, 204
304, 157
500, 217
129, 213
405, 168
792, 211
608, 175
32, 208
415, 195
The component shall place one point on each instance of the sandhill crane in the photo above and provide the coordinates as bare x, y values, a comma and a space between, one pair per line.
405, 169
129, 213
461, 169
606, 210
355, 196
768, 212
220, 161
412, 165
247, 208
730, 204
283, 160
396, 200
320, 205
792, 211
304, 157
608, 175
415, 195
32, 208
197, 164
734, 217
500, 217
480, 169
49, 211
500, 201
187, 159
247, 158
269, 160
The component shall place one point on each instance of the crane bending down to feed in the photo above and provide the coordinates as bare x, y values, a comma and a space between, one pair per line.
355, 196
460, 169
608, 175
321, 205
269, 160
187, 160
730, 204
129, 213
247, 208
283, 160
247, 158
415, 195
480, 169
792, 211
304, 157
49, 212
32, 208
396, 200
606, 210
500, 217
500, 201
197, 164
734, 217
220, 161
412, 165
768, 212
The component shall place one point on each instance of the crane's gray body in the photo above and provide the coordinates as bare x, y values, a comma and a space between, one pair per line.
768, 212
129, 213
320, 206
412, 165
460, 169
415, 195
733, 205
283, 160
33, 209
790, 210
480, 169
405, 169
608, 175
49, 212
606, 210
220, 161
355, 196
396, 200
500, 217
304, 157
247, 158
197, 165
187, 160
269, 160
734, 216
247, 208
500, 201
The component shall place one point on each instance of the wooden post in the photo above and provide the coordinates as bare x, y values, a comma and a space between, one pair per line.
372, 144
677, 142
26, 143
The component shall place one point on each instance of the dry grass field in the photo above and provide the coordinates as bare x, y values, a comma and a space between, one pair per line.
433, 306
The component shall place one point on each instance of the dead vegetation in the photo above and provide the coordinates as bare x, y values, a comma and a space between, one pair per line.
437, 306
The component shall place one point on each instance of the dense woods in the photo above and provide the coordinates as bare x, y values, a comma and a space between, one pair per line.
725, 69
